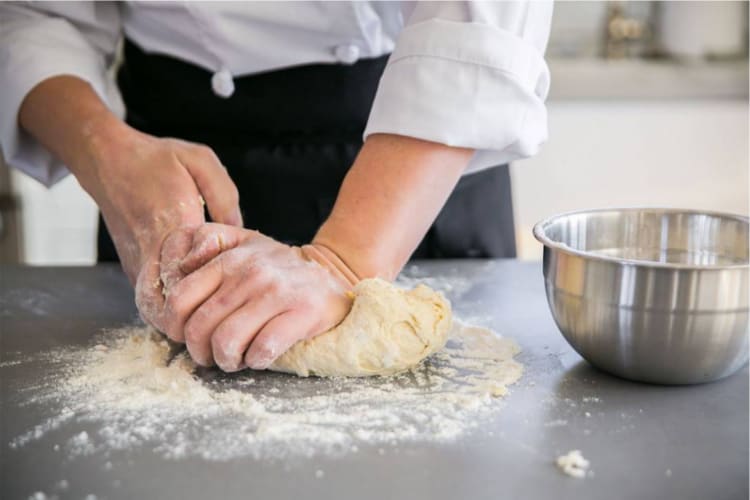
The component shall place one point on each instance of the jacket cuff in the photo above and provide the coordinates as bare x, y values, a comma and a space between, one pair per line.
29, 54
464, 85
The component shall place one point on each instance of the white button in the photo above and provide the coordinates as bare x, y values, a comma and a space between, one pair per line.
222, 83
347, 54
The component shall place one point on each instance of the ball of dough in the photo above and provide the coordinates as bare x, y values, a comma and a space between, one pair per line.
388, 330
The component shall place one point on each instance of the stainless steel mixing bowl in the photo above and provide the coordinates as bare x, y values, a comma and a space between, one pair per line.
655, 295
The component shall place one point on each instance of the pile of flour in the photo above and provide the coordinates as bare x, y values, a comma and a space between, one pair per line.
138, 395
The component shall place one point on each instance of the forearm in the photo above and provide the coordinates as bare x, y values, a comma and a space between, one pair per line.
388, 201
67, 117
145, 186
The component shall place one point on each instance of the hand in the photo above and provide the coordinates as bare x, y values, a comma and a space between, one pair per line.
144, 186
238, 298
149, 187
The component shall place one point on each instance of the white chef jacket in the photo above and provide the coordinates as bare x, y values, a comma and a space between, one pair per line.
469, 74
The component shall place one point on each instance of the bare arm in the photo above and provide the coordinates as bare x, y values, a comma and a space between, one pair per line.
63, 113
145, 186
389, 199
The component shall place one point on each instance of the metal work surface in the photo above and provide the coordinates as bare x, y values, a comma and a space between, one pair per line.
644, 441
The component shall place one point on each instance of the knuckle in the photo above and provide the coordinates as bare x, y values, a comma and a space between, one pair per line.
274, 288
223, 301
173, 144
206, 153
261, 279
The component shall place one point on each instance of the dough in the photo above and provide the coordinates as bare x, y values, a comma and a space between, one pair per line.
388, 330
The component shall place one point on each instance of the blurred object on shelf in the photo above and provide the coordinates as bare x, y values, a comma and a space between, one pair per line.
585, 29
650, 29
700, 30
625, 35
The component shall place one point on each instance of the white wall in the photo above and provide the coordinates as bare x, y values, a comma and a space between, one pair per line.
58, 224
685, 154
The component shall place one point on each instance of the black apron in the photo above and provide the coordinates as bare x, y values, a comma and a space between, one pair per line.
288, 137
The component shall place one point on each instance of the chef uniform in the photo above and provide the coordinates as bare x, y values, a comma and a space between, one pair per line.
284, 93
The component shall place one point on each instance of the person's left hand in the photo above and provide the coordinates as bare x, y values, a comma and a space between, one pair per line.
240, 299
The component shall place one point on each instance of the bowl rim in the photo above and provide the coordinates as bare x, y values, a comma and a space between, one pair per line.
540, 235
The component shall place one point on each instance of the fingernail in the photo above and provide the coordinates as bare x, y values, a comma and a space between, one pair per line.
260, 363
228, 367
205, 361
262, 360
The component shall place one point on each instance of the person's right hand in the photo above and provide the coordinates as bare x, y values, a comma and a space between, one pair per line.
240, 299
146, 187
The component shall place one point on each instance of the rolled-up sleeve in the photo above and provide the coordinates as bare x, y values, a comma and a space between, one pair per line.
42, 40
469, 74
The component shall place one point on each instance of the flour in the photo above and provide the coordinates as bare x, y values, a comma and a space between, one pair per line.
454, 286
573, 464
135, 397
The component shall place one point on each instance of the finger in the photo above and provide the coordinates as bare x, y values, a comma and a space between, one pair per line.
200, 327
187, 295
214, 183
208, 241
278, 335
235, 334
149, 298
174, 248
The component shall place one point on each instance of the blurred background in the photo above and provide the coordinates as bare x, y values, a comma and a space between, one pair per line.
648, 106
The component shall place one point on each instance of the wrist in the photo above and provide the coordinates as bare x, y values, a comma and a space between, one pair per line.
328, 258
102, 139
362, 261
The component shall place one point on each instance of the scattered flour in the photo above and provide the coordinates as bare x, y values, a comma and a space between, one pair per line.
80, 444
556, 423
454, 286
136, 398
573, 464
15, 362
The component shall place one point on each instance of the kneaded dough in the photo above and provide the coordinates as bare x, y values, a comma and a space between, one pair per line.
388, 330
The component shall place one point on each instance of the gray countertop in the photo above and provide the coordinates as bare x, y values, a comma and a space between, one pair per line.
644, 441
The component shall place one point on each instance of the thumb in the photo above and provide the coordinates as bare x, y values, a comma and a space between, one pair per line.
159, 272
149, 293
